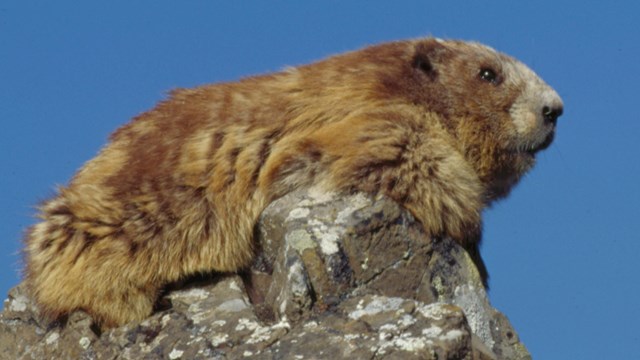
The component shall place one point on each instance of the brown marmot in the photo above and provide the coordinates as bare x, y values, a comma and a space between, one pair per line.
442, 127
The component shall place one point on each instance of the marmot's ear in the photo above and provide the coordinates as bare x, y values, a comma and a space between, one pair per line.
428, 54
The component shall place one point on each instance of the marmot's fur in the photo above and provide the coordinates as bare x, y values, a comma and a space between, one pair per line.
442, 127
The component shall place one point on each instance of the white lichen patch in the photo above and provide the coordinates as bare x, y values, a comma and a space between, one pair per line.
327, 236
352, 337
404, 341
453, 334
311, 325
356, 203
298, 213
406, 321
409, 343
386, 335
295, 277
233, 285
438, 285
195, 294
165, 320
85, 342
264, 333
234, 305
52, 338
300, 240
195, 340
432, 332
297, 281
246, 324
377, 305
247, 353
18, 304
329, 243
218, 323
391, 328
175, 354
436, 311
219, 339
476, 307
195, 308
197, 318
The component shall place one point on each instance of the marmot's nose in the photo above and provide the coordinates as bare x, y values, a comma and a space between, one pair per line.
551, 113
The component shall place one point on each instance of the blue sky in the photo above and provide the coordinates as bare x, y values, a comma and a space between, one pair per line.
562, 250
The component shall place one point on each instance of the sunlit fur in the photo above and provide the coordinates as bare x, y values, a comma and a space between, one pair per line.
179, 189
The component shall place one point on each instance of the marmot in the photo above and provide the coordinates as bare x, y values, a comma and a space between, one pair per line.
442, 127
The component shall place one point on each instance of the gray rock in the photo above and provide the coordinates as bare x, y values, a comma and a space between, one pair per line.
336, 277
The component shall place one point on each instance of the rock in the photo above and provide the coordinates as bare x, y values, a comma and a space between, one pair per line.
336, 277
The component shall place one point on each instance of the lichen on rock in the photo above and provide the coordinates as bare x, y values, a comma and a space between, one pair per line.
335, 277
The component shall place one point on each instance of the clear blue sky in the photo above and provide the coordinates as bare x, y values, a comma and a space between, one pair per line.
562, 250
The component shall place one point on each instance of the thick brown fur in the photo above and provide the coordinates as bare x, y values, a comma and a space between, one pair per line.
179, 189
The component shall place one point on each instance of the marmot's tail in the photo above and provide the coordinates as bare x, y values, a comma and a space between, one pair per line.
75, 259
53, 248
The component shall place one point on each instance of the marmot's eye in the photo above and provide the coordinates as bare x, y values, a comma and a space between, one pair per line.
488, 75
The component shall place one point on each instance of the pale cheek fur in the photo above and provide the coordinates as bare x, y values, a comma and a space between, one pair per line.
526, 112
528, 128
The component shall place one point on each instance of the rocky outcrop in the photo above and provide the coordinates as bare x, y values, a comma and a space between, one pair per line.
337, 277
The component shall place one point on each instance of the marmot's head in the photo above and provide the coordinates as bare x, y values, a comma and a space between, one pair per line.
500, 112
